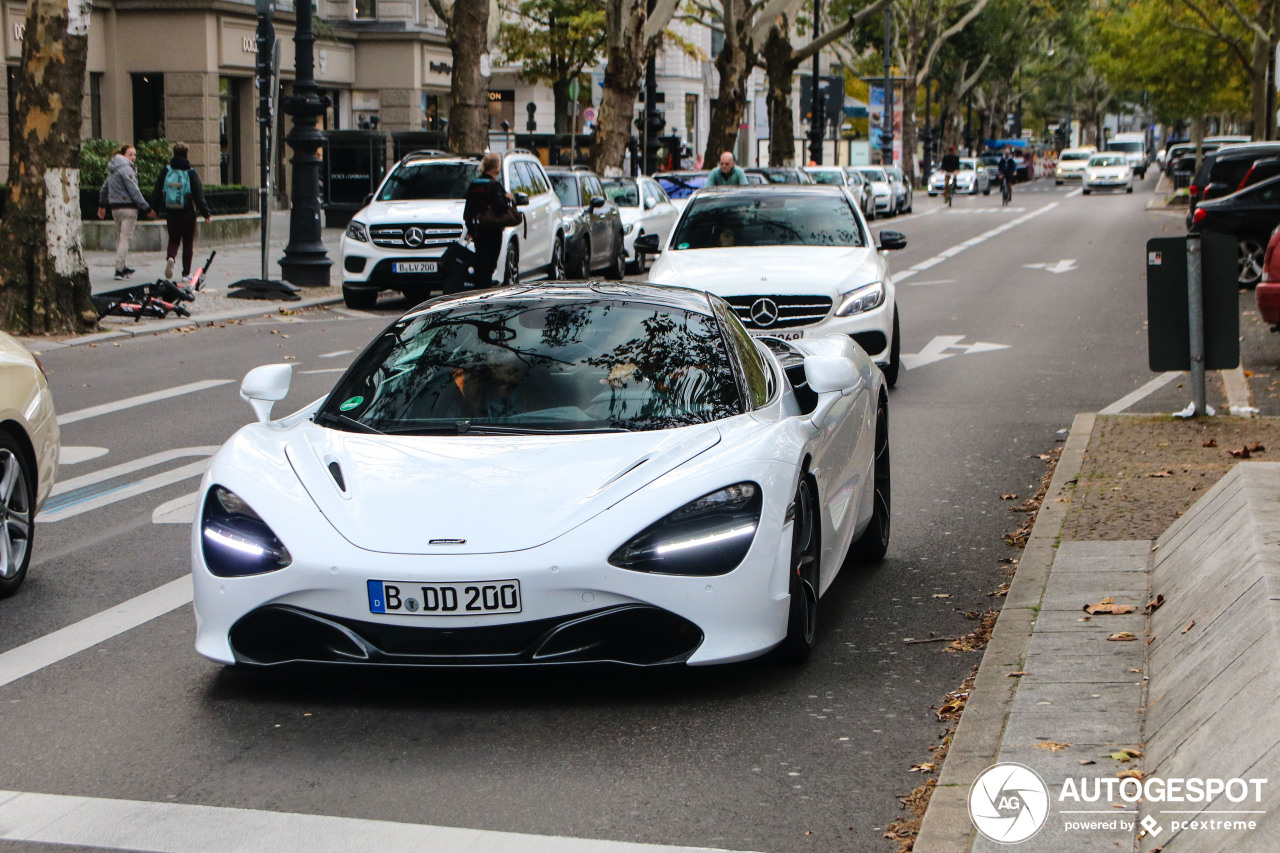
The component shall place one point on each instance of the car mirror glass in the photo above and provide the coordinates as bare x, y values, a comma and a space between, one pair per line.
264, 386
597, 201
521, 199
892, 240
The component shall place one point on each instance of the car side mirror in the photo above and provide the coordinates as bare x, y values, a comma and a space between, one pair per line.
649, 203
892, 240
264, 386
368, 199
521, 199
648, 244
830, 373
597, 201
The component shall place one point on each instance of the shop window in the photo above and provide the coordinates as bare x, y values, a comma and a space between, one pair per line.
229, 129
366, 10
95, 105
148, 106
690, 117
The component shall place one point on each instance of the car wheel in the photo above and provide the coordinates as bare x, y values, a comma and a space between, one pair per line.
17, 502
640, 265
618, 267
557, 271
871, 215
987, 191
1252, 251
511, 269
895, 355
872, 545
584, 260
1085, 192
802, 617
1057, 183
1129, 190
359, 299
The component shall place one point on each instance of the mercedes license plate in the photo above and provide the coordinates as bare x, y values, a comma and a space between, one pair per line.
783, 336
414, 266
453, 598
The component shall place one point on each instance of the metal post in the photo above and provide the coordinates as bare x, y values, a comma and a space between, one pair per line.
927, 167
816, 112
1195, 317
266, 42
886, 130
305, 260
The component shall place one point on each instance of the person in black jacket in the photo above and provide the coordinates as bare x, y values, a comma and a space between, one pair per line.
180, 218
486, 193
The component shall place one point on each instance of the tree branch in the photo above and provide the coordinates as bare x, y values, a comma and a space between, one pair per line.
1252, 26
1232, 44
806, 52
663, 10
765, 15
932, 53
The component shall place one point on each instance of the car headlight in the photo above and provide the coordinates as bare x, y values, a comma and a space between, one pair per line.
862, 299
357, 231
235, 540
709, 536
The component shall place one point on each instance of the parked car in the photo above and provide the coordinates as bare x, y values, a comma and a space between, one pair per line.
1250, 215
1267, 294
842, 177
814, 268
593, 238
1179, 156
645, 209
1260, 171
1223, 171
903, 196
1071, 164
395, 241
972, 178
29, 445
1107, 171
644, 451
781, 174
678, 186
866, 196
753, 178
881, 189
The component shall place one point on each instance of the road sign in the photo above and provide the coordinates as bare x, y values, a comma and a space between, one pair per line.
1168, 327
588, 115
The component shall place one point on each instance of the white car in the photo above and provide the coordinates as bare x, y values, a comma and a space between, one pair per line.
1071, 164
1109, 171
550, 474
794, 262
881, 189
28, 457
645, 209
851, 180
972, 178
396, 241
903, 195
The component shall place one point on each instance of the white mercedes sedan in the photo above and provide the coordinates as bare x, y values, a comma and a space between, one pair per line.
1108, 172
794, 262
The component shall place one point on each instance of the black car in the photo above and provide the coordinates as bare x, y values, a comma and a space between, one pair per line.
781, 175
1250, 215
592, 225
1222, 172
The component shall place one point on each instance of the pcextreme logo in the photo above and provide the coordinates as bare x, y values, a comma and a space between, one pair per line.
1008, 803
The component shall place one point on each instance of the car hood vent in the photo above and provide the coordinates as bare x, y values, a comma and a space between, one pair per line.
336, 470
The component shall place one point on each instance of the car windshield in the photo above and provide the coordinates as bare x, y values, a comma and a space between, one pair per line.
544, 365
681, 186
427, 180
566, 187
1073, 155
874, 175
759, 219
622, 191
1105, 160
991, 159
781, 176
828, 177
971, 165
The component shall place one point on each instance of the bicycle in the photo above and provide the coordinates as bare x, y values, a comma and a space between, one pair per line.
949, 188
1006, 190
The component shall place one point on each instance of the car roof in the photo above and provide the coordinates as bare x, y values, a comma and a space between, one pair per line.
1247, 149
773, 190
682, 298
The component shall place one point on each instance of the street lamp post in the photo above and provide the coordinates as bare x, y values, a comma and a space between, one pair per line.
927, 166
818, 120
305, 261
886, 120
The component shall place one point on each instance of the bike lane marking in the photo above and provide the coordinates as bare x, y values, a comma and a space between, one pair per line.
78, 495
140, 400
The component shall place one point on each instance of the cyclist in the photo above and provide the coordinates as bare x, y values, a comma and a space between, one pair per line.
950, 165
1008, 170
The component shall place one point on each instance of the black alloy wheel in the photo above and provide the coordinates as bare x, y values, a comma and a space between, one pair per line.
894, 367
640, 265
584, 260
511, 269
17, 508
872, 545
617, 269
802, 618
557, 271
1251, 253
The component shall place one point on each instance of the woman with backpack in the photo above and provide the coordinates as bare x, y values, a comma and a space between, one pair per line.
180, 196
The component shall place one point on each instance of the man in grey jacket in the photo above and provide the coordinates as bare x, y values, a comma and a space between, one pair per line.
120, 192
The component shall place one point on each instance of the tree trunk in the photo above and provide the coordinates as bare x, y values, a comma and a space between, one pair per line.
1259, 61
560, 98
622, 74
468, 38
909, 95
734, 64
778, 71
44, 282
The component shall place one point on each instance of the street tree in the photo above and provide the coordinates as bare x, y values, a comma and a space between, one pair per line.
1250, 30
554, 40
44, 282
467, 33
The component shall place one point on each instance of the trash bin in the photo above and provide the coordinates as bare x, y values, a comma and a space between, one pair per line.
355, 162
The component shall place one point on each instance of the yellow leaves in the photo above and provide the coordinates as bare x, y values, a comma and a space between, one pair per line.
1127, 754
1189, 626
1134, 773
1108, 605
1122, 636
923, 767
1052, 746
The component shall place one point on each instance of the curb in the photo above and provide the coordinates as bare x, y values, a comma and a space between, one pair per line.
162, 326
946, 827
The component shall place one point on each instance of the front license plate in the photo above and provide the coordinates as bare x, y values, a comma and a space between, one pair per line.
782, 336
415, 266
453, 598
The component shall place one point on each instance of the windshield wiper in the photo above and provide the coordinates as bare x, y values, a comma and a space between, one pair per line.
491, 429
345, 423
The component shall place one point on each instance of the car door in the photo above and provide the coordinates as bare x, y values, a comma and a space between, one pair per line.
598, 219
546, 209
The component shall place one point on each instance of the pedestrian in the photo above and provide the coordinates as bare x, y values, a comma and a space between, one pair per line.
120, 193
728, 175
488, 209
180, 196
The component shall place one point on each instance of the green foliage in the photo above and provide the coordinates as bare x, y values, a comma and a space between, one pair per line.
554, 39
96, 154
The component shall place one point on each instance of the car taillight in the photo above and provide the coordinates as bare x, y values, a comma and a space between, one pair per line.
1198, 215
1193, 191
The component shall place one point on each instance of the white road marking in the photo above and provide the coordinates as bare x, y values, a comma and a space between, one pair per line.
73, 455
177, 511
141, 399
936, 350
337, 353
935, 281
1064, 265
326, 370
179, 828
81, 497
1134, 396
87, 633
973, 241
905, 217
954, 212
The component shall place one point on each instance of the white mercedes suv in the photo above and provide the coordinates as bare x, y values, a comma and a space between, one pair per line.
395, 241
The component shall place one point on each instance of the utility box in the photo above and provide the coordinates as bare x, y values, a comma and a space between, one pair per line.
1168, 324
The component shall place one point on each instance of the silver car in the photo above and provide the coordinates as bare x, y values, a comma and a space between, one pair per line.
851, 180
881, 189
901, 188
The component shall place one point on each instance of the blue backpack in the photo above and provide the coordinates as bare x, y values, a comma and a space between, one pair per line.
177, 188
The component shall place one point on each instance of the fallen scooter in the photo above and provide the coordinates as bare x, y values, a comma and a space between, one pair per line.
154, 299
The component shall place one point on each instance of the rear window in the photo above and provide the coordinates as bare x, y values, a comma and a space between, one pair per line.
1074, 155
1128, 147
831, 177
622, 192
681, 186
566, 187
429, 181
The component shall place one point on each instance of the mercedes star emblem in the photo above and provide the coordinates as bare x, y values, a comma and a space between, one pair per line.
413, 237
764, 312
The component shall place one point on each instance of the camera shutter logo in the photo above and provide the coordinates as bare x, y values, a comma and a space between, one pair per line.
1008, 803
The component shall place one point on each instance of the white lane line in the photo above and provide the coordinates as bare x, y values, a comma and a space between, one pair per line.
935, 281
903, 217
177, 828
1075, 192
73, 455
337, 353
177, 511
87, 633
326, 370
77, 495
97, 500
141, 399
1134, 396
947, 254
900, 277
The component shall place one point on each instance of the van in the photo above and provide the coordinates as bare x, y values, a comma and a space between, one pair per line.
1134, 147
